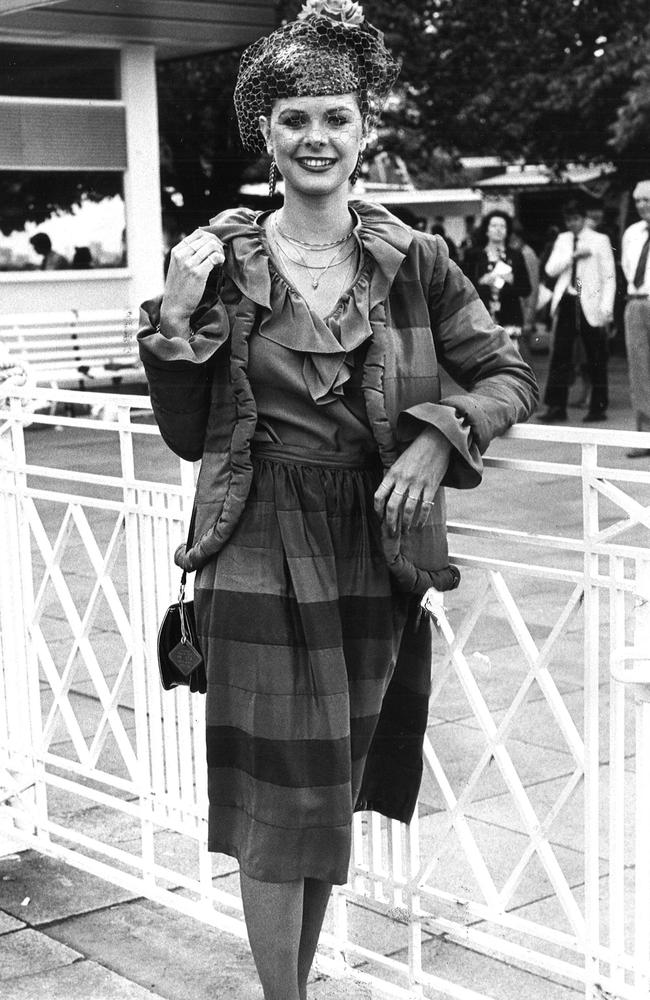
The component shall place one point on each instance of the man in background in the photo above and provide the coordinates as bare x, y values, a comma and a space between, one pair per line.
636, 268
582, 263
52, 261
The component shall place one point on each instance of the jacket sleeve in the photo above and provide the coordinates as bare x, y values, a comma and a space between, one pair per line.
608, 277
180, 371
499, 388
561, 257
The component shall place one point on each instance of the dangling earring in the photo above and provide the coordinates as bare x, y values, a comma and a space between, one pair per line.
354, 176
273, 177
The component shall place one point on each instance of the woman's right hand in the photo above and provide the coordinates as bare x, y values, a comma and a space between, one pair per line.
190, 263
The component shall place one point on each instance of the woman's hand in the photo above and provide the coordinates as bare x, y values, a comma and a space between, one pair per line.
405, 496
190, 263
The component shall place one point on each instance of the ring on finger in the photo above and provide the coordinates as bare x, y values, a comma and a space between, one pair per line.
429, 503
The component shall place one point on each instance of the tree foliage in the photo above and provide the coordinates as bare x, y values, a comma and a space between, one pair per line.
201, 157
545, 82
36, 195
554, 82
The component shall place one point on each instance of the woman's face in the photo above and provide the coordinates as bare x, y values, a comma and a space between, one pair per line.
315, 140
497, 230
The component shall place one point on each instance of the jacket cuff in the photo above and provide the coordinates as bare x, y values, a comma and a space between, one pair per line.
465, 468
165, 344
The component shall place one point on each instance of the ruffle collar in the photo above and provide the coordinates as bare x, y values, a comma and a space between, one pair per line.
287, 319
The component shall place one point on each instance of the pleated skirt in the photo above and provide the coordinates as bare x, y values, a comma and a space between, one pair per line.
300, 629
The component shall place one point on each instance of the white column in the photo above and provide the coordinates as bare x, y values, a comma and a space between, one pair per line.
142, 178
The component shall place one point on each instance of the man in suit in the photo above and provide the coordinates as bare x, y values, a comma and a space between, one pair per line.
582, 262
636, 268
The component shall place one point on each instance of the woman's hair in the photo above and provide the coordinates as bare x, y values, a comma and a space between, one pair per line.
497, 213
330, 49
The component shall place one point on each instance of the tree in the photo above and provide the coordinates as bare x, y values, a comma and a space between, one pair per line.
35, 195
632, 126
519, 78
554, 82
201, 157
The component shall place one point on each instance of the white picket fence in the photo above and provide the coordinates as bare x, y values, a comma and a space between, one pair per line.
539, 712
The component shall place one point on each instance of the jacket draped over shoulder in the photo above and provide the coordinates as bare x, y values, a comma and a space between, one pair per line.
419, 314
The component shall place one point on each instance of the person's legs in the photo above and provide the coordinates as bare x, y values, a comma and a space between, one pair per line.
274, 920
594, 339
637, 343
560, 375
316, 898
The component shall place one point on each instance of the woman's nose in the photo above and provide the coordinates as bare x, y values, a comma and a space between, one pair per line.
315, 136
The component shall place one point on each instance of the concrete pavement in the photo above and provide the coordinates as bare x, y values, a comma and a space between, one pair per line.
67, 935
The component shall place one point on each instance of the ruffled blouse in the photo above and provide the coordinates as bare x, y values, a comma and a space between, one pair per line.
327, 344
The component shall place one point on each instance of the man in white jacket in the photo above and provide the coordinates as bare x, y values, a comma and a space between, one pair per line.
635, 261
582, 261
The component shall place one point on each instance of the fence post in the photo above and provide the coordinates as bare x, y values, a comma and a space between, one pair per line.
590, 510
20, 792
641, 791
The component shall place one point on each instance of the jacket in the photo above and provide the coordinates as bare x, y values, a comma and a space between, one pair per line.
422, 314
596, 274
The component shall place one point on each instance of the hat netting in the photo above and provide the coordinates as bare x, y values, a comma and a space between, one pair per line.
329, 49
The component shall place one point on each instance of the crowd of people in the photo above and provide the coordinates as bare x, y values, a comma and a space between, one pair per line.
581, 291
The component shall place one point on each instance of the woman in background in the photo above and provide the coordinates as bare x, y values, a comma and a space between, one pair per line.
499, 272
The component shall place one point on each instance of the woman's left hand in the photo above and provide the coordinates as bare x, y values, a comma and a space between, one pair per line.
405, 496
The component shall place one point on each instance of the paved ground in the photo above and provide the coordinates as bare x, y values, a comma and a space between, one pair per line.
67, 935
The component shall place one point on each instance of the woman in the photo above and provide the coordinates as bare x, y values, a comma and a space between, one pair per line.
296, 353
499, 272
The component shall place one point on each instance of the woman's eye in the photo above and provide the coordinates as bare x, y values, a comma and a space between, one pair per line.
296, 121
337, 120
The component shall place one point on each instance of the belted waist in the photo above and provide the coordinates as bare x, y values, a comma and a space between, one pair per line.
637, 295
293, 455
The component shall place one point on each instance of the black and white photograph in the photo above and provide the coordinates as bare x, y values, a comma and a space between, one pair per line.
324, 499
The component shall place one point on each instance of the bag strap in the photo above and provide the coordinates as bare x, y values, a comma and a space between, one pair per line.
190, 539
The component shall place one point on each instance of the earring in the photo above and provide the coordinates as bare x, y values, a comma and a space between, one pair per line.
273, 177
354, 176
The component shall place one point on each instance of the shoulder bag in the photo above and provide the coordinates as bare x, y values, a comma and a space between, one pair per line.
180, 660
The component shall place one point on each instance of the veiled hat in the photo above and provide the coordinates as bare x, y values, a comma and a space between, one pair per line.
329, 49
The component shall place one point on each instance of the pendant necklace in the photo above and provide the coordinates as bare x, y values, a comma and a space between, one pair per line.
310, 268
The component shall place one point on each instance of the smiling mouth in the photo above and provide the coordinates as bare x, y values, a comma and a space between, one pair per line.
316, 162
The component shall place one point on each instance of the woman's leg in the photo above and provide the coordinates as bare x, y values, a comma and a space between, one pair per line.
274, 918
316, 898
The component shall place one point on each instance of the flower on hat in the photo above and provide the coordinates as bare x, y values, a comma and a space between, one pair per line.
347, 10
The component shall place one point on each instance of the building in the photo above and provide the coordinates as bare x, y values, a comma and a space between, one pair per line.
78, 107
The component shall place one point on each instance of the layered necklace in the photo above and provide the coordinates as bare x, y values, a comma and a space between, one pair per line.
316, 271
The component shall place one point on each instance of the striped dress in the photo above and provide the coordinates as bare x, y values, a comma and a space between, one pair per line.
297, 615
318, 658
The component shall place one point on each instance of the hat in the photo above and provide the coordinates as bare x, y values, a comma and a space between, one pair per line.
642, 190
329, 49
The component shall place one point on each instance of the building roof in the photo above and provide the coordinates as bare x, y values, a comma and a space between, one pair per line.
175, 27
538, 176
418, 198
419, 201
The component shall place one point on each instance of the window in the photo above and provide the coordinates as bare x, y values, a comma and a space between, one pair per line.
81, 213
57, 71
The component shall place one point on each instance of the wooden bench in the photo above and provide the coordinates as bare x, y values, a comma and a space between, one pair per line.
79, 349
